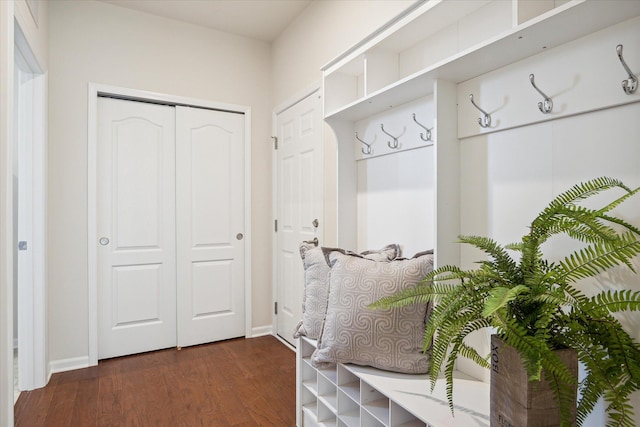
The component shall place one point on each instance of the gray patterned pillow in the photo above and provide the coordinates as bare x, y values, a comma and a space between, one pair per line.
316, 284
386, 339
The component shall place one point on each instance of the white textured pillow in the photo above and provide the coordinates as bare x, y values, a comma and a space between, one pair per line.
389, 339
316, 283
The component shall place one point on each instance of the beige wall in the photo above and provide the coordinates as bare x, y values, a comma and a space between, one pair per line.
101, 43
319, 34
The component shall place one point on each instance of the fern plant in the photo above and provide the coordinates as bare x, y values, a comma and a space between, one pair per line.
535, 307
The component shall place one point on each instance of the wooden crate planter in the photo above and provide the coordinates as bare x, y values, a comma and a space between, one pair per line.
517, 402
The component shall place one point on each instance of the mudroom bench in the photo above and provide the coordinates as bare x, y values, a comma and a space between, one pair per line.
348, 395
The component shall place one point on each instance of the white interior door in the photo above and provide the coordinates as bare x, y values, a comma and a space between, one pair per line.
299, 203
23, 331
210, 225
136, 227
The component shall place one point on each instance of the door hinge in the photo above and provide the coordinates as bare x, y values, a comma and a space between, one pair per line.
275, 225
275, 308
275, 142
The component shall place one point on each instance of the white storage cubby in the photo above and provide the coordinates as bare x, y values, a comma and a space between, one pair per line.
428, 61
359, 396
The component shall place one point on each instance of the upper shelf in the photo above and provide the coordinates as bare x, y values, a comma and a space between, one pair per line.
472, 38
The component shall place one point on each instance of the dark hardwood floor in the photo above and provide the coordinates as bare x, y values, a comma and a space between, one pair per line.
240, 382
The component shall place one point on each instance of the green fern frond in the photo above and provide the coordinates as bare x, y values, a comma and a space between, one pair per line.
622, 222
628, 194
597, 258
420, 294
499, 297
616, 301
493, 249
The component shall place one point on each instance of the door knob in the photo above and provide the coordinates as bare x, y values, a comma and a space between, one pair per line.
103, 241
315, 223
239, 236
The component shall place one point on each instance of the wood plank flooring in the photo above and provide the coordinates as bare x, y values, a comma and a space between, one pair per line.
240, 382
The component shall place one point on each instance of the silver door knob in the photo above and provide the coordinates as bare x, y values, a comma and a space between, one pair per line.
239, 236
315, 223
103, 241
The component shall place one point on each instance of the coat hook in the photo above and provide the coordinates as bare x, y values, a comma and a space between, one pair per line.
547, 105
422, 135
485, 120
393, 145
631, 84
366, 150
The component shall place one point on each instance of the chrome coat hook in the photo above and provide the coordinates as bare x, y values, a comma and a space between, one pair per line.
631, 84
427, 131
366, 150
485, 120
545, 106
394, 144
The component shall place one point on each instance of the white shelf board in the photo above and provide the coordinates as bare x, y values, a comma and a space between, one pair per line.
413, 423
352, 419
330, 401
379, 409
330, 374
548, 30
352, 390
312, 386
411, 392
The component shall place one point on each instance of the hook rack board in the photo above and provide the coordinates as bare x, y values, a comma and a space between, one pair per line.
581, 76
378, 131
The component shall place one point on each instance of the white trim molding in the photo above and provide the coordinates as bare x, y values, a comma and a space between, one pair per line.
6, 211
70, 364
261, 331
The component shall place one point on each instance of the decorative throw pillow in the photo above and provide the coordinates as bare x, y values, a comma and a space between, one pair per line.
316, 284
389, 339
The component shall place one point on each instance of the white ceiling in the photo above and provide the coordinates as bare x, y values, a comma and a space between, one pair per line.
258, 19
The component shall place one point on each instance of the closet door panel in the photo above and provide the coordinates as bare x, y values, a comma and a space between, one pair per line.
210, 225
136, 227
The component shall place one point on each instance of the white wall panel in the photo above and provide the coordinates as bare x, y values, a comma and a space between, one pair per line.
136, 294
210, 186
211, 290
396, 201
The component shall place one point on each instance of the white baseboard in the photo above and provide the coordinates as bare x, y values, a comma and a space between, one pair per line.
70, 364
261, 331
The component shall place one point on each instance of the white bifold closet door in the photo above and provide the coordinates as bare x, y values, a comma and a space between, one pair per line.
170, 221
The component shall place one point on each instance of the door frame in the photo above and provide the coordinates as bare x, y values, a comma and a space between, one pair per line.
298, 97
6, 211
97, 89
32, 299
